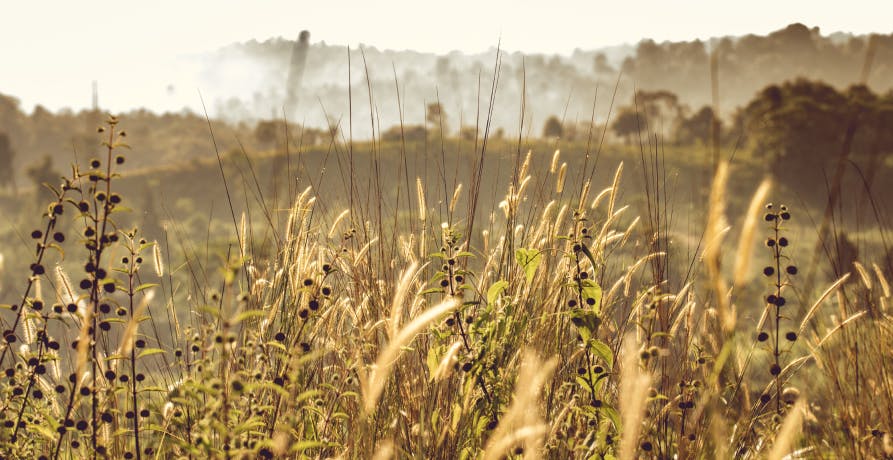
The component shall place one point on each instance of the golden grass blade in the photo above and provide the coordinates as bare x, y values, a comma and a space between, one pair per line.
716, 228
385, 450
406, 281
882, 279
748, 233
863, 273
337, 221
446, 364
634, 384
815, 306
839, 327
64, 290
615, 186
456, 194
521, 423
381, 370
158, 261
559, 184
129, 335
554, 164
420, 192
790, 431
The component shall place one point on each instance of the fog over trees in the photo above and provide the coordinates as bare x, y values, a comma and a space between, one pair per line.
562, 86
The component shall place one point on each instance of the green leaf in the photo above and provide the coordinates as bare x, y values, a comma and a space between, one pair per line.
529, 260
603, 351
612, 415
144, 286
150, 352
588, 255
249, 314
433, 361
496, 289
432, 291
591, 290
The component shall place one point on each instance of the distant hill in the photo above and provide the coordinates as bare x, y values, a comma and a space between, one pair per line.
556, 85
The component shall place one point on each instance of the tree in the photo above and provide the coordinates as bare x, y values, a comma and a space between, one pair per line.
697, 128
626, 124
552, 127
661, 108
800, 122
435, 115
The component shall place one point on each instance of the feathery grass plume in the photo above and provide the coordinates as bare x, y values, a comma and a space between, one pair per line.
522, 423
815, 306
882, 279
863, 273
559, 219
748, 233
358, 257
525, 167
385, 450
554, 165
629, 231
601, 239
334, 228
64, 290
583, 194
296, 215
634, 383
156, 257
456, 193
446, 364
716, 228
372, 384
615, 187
420, 192
838, 327
129, 335
402, 288
559, 183
600, 197
243, 232
545, 223
790, 430
83, 348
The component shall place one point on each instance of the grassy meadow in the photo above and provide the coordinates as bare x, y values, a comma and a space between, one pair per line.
456, 297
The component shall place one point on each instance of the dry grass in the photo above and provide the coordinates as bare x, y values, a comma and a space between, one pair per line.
555, 330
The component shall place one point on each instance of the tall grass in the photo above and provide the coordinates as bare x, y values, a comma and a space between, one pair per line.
553, 330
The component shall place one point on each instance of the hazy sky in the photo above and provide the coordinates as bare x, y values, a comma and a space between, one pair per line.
51, 51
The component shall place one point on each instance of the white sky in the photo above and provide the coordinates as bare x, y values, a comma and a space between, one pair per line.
51, 51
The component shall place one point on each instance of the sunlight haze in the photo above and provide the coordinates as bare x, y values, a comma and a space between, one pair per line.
53, 50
